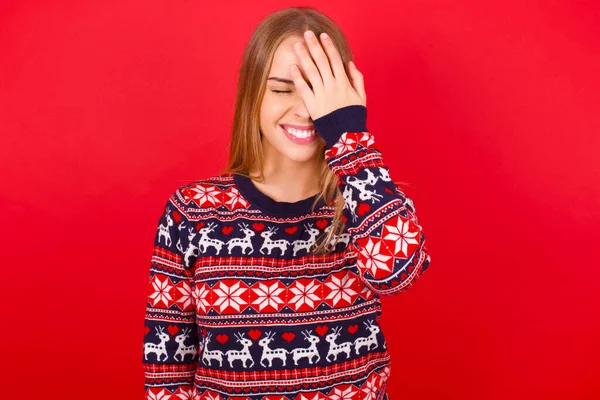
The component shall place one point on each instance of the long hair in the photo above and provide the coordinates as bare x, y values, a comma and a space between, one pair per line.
245, 147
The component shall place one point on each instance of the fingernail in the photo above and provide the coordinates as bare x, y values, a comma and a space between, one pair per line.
324, 36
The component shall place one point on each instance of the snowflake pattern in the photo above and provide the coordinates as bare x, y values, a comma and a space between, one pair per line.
401, 233
161, 291
342, 288
374, 256
230, 296
305, 293
268, 296
202, 195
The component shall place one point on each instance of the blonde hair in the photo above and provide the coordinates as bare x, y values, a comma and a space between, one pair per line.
245, 148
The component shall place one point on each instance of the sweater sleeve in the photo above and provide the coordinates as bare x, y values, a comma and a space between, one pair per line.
388, 241
170, 334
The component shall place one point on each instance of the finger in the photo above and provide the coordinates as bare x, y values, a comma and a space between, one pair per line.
358, 82
301, 85
309, 68
334, 57
321, 59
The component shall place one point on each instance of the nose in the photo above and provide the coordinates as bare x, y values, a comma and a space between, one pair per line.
300, 109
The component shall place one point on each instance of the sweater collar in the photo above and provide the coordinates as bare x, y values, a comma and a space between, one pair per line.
280, 208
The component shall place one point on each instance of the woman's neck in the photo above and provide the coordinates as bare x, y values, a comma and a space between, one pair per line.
289, 185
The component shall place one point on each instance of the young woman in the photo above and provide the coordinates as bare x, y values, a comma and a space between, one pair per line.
265, 280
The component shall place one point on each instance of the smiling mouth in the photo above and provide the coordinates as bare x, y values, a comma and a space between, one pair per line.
298, 136
299, 133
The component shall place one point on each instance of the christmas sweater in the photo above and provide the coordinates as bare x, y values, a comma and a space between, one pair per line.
238, 307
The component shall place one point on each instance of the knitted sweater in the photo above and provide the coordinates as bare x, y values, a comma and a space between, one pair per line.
238, 308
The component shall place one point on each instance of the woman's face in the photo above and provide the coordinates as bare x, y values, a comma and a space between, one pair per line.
287, 108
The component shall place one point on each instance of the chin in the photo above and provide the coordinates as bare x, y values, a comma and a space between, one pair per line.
300, 156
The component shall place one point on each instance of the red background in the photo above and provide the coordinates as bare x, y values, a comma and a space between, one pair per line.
489, 109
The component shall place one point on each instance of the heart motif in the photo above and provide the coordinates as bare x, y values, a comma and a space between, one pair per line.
221, 273
284, 273
171, 269
322, 329
353, 328
222, 338
259, 273
288, 336
314, 385
230, 273
410, 269
146, 330
176, 216
294, 273
363, 208
291, 230
322, 223
258, 226
227, 230
199, 225
173, 329
254, 334
403, 276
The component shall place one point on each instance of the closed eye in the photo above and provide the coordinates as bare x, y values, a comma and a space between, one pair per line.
281, 91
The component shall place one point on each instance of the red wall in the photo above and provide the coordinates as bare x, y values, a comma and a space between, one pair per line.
490, 109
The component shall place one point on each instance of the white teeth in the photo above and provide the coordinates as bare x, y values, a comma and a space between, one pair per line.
298, 133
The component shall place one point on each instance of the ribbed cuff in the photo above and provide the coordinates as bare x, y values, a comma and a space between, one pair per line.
346, 119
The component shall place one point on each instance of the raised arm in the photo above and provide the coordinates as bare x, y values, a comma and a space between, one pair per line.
381, 219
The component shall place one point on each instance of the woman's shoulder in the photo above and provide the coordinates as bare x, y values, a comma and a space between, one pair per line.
204, 192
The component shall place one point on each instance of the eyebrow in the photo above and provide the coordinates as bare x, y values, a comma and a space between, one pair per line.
288, 81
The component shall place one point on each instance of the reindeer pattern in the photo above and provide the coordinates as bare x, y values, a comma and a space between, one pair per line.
317, 344
251, 241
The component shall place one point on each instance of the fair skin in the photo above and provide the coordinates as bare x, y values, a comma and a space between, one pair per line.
318, 87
